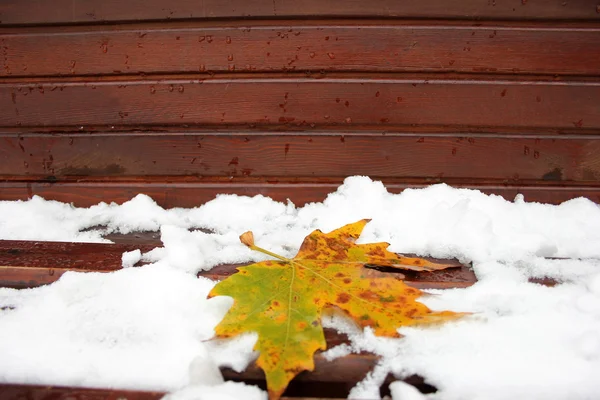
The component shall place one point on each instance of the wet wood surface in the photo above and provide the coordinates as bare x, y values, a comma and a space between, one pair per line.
99, 11
38, 392
303, 103
300, 46
274, 155
25, 264
175, 192
297, 390
22, 392
185, 100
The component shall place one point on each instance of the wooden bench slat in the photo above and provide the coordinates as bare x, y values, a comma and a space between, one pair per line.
93, 257
20, 392
544, 158
33, 263
98, 11
303, 103
38, 392
171, 193
385, 47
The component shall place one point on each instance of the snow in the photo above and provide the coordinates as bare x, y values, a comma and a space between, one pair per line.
404, 391
135, 328
148, 328
130, 258
227, 391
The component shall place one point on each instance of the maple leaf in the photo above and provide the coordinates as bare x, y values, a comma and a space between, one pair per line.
283, 300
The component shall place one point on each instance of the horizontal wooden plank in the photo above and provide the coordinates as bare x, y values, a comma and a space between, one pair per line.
298, 390
25, 264
97, 11
550, 158
30, 277
19, 392
383, 47
171, 193
303, 103
331, 380
65, 256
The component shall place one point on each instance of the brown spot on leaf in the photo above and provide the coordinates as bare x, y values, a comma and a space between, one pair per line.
367, 295
343, 298
376, 252
309, 245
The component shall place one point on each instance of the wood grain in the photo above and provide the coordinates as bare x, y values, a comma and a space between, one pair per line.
331, 380
295, 47
96, 257
21, 392
172, 193
25, 264
553, 158
98, 11
303, 103
39, 392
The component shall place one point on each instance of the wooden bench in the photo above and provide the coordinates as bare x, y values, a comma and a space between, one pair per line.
183, 100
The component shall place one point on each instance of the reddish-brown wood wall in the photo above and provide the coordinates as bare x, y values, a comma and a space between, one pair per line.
101, 100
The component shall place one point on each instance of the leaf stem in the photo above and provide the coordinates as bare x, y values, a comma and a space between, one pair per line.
267, 252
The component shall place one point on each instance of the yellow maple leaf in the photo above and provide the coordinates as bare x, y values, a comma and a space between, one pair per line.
283, 300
